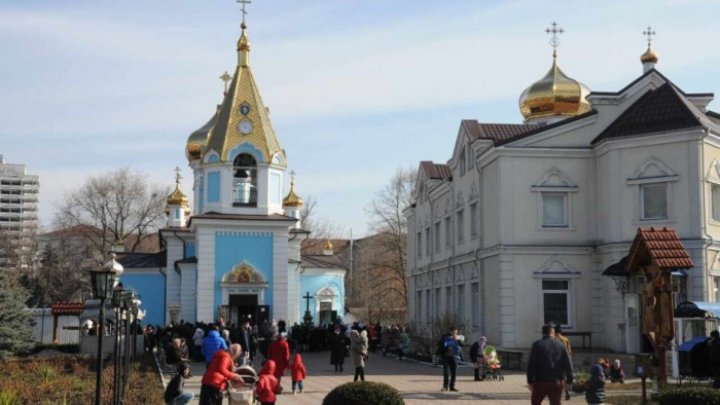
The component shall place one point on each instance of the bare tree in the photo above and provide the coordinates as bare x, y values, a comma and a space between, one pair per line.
319, 228
118, 204
388, 259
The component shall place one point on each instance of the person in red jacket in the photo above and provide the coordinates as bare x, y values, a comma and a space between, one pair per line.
297, 373
267, 386
220, 370
279, 352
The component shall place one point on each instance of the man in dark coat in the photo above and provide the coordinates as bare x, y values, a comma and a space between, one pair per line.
548, 366
339, 346
714, 357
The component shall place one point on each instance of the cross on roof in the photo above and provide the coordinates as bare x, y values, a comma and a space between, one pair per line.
554, 39
649, 34
178, 177
225, 77
244, 12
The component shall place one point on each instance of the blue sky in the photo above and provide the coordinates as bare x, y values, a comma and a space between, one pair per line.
355, 88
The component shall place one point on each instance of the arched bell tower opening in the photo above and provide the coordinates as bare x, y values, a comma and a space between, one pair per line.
245, 181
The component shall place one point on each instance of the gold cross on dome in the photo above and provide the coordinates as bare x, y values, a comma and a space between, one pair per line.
649, 34
226, 79
178, 177
244, 12
292, 176
554, 39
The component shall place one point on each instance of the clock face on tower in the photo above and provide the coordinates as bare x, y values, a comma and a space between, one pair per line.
245, 127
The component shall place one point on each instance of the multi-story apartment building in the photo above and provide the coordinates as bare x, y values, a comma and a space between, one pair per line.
18, 208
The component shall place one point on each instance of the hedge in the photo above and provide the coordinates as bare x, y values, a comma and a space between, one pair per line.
690, 396
363, 393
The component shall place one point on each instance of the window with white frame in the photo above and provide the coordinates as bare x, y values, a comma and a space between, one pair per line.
475, 304
436, 237
448, 232
715, 201
556, 301
653, 201
473, 220
427, 241
460, 225
716, 285
448, 300
418, 245
554, 209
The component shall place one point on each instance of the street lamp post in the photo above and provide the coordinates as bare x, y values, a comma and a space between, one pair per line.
126, 305
117, 301
135, 309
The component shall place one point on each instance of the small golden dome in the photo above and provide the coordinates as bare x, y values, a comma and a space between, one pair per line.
177, 197
649, 56
292, 199
243, 43
555, 94
328, 245
197, 141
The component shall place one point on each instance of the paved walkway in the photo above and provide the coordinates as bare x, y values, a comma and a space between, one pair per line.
419, 383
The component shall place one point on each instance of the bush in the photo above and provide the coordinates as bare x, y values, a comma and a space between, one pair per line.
363, 393
70, 348
690, 396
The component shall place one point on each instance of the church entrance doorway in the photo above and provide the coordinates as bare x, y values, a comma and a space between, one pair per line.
243, 306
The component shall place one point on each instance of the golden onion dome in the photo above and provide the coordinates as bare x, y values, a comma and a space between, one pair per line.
555, 95
243, 43
292, 199
328, 245
197, 141
177, 198
649, 56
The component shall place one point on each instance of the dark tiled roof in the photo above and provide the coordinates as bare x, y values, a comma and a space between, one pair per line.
713, 116
322, 261
661, 109
68, 308
542, 128
495, 132
661, 247
129, 259
436, 171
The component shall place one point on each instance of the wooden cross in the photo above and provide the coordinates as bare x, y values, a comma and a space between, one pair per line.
554, 39
244, 3
649, 33
307, 299
225, 77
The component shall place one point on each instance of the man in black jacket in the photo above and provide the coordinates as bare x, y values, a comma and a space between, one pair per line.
548, 366
174, 394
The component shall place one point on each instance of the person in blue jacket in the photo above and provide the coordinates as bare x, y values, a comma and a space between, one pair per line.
450, 351
212, 343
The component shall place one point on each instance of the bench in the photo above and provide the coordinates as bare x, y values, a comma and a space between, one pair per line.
510, 359
583, 335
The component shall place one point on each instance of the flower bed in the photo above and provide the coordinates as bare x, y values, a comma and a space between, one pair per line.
71, 380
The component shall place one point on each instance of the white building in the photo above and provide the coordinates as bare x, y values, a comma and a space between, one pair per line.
18, 203
519, 225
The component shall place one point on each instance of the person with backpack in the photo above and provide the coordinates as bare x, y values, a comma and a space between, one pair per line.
450, 350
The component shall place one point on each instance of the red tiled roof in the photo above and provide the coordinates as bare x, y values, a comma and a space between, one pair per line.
436, 171
68, 308
661, 247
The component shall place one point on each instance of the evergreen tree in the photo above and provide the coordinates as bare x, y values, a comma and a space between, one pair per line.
15, 321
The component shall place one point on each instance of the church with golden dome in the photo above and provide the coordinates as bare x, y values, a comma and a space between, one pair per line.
232, 249
527, 222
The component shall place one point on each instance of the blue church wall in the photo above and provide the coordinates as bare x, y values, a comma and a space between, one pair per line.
189, 250
313, 283
213, 187
232, 248
151, 287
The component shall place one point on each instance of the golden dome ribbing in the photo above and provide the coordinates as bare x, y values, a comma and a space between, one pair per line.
555, 94
292, 199
649, 56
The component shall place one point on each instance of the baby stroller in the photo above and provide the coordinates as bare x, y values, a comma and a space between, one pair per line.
491, 364
243, 394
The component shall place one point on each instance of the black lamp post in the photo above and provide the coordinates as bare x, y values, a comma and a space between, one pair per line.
126, 306
102, 281
135, 324
117, 302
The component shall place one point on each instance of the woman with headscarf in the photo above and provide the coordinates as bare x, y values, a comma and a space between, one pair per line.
359, 350
477, 350
267, 385
338, 348
220, 370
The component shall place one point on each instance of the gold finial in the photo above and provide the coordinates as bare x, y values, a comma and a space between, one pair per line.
244, 12
226, 79
649, 56
292, 199
243, 44
177, 197
178, 177
554, 39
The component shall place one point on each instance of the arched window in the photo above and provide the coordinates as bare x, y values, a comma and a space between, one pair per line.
244, 180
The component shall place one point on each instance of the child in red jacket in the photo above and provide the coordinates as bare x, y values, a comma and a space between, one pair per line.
298, 373
267, 385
